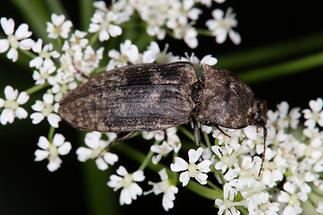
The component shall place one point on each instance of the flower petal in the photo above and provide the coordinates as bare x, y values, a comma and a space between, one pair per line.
22, 98
22, 32
184, 178
138, 176
36, 117
65, 148
204, 166
58, 140
21, 113
41, 155
43, 143
179, 165
4, 45
101, 164
201, 178
7, 116
53, 120
8, 25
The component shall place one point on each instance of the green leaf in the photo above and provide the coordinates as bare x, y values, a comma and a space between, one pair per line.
271, 52
36, 14
283, 69
56, 7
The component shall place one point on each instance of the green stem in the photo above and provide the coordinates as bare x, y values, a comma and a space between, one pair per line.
86, 10
281, 69
28, 53
56, 7
146, 160
94, 38
51, 134
36, 88
136, 155
187, 133
204, 32
99, 70
214, 193
207, 139
271, 52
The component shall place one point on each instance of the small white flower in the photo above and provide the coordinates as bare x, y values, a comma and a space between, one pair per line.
104, 24
228, 161
97, 149
192, 170
154, 54
207, 59
58, 27
15, 39
292, 197
51, 151
126, 181
158, 135
128, 54
161, 150
222, 25
78, 39
166, 187
44, 54
11, 105
314, 115
46, 109
41, 76
227, 205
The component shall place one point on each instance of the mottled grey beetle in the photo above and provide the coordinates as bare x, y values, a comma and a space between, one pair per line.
159, 96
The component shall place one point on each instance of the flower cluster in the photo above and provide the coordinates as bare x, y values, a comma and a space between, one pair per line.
228, 166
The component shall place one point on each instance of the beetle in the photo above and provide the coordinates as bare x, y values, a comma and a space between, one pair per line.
146, 97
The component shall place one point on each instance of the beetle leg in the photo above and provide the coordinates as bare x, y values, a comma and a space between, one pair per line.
125, 136
197, 133
220, 129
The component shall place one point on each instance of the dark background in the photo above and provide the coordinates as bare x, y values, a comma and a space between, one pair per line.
27, 187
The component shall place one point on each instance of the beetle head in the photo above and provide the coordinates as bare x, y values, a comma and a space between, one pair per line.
259, 113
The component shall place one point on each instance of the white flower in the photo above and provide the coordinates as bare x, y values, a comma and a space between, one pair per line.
292, 198
11, 105
41, 76
227, 205
208, 3
78, 39
97, 150
207, 59
46, 109
104, 24
228, 162
166, 187
58, 27
52, 150
128, 54
126, 181
44, 54
158, 135
161, 150
197, 171
154, 54
222, 25
18, 39
315, 114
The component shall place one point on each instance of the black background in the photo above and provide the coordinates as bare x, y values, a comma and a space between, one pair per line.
27, 187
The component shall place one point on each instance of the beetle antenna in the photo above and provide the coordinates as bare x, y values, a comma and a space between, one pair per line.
264, 152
